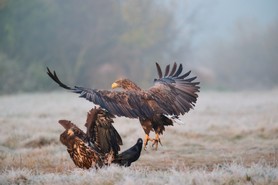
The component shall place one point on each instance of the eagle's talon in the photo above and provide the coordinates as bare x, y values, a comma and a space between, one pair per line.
147, 139
160, 142
145, 147
155, 143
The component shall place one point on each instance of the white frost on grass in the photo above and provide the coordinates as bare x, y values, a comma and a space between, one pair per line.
227, 174
230, 138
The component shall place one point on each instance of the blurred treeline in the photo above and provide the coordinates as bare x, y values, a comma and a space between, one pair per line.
86, 42
93, 42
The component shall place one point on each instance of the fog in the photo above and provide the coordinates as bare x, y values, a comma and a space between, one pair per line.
229, 45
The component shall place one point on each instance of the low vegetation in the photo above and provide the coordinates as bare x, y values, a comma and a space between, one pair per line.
230, 138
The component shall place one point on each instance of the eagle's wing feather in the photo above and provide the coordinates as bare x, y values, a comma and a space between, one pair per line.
120, 103
172, 93
130, 104
101, 132
175, 93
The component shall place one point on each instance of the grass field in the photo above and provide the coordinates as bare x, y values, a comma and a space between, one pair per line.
229, 138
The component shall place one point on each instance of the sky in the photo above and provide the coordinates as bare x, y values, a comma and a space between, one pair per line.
219, 17
233, 40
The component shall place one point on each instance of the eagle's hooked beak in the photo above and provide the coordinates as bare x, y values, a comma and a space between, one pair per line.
114, 85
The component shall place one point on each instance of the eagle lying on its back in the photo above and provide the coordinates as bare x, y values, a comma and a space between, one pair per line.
100, 145
172, 94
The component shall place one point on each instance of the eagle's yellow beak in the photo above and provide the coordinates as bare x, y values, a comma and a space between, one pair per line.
114, 85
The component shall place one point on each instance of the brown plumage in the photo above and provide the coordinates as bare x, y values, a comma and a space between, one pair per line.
172, 94
98, 146
76, 142
101, 133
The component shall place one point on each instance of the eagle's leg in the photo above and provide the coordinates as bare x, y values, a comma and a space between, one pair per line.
147, 126
156, 141
147, 138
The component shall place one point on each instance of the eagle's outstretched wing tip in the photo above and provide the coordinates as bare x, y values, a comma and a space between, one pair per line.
174, 84
175, 73
158, 70
55, 78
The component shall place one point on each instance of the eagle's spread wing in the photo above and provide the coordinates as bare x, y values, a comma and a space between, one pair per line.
101, 132
130, 104
174, 92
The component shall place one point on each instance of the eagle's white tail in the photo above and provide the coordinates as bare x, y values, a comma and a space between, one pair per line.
174, 118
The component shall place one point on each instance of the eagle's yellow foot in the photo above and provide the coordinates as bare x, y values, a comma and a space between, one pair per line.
156, 141
147, 138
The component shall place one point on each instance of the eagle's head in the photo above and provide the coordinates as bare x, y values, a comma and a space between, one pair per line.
125, 84
66, 138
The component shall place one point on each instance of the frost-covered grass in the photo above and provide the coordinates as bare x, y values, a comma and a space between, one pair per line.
226, 174
230, 138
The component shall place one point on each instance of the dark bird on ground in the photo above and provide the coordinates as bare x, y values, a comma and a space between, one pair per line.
75, 140
129, 156
172, 94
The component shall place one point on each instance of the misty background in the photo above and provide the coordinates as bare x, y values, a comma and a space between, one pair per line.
230, 45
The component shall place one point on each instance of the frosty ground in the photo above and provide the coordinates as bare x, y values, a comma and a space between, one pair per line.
229, 138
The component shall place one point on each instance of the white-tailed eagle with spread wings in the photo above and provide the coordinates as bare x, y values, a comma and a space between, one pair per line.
173, 94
